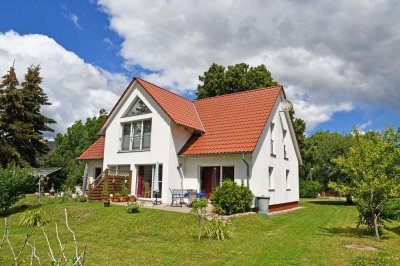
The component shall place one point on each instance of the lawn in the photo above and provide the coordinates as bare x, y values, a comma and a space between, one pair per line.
314, 235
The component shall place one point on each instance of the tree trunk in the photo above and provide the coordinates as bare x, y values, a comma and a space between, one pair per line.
349, 199
376, 225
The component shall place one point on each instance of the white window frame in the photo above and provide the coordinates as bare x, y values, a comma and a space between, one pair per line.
287, 173
271, 178
272, 127
131, 135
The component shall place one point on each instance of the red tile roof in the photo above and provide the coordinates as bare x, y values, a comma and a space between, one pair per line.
96, 151
224, 124
181, 110
233, 122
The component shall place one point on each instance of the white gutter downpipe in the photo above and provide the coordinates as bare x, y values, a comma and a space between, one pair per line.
247, 169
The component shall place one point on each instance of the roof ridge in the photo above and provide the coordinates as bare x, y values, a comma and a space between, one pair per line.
239, 92
163, 88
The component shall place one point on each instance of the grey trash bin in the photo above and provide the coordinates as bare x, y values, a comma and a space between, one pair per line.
263, 204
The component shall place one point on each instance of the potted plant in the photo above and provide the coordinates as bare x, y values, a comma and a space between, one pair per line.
116, 197
124, 193
105, 193
132, 198
132, 207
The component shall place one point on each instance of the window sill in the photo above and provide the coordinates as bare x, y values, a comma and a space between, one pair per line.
271, 189
287, 159
129, 151
288, 189
273, 155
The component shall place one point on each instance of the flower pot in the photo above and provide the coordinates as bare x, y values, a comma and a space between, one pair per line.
126, 198
122, 199
115, 199
135, 211
104, 199
106, 204
132, 199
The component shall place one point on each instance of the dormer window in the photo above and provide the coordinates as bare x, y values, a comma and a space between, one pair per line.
138, 108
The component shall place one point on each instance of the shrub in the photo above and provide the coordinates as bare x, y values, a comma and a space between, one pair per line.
218, 230
13, 181
132, 207
82, 198
393, 209
199, 207
33, 218
231, 198
309, 189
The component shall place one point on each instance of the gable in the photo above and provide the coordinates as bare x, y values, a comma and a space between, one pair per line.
179, 109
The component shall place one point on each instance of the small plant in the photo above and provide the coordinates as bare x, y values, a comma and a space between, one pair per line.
309, 189
105, 192
230, 198
132, 207
124, 190
199, 207
82, 198
34, 218
118, 194
219, 230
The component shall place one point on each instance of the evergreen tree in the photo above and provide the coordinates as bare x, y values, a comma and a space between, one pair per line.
34, 98
21, 123
14, 133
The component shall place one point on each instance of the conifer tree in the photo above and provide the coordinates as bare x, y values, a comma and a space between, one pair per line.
11, 115
34, 98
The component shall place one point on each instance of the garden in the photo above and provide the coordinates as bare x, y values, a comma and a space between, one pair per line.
316, 234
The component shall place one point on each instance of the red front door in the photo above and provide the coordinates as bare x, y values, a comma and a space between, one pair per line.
210, 179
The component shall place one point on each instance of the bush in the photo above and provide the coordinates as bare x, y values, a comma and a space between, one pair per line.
309, 189
219, 230
230, 198
13, 181
33, 218
392, 210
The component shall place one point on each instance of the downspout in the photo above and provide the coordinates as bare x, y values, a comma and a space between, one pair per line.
247, 169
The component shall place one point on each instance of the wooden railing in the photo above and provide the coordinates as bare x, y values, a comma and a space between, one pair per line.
114, 179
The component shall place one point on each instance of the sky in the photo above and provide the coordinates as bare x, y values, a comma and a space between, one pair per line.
339, 61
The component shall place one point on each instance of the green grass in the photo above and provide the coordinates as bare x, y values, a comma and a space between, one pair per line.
314, 235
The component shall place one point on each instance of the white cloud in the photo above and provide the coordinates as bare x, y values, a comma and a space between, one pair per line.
362, 126
76, 89
328, 57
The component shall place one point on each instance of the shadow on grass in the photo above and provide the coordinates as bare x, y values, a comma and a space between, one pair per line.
15, 210
395, 230
330, 202
346, 231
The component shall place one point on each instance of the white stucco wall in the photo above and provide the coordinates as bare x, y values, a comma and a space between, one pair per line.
262, 160
192, 164
163, 148
92, 165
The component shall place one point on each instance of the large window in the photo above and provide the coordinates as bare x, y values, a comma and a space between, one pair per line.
136, 135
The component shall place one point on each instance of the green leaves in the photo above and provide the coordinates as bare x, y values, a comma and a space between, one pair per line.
13, 181
372, 165
231, 198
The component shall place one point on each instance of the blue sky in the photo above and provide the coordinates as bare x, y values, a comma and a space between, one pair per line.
335, 82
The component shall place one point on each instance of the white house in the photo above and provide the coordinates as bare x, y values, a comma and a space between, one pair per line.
170, 142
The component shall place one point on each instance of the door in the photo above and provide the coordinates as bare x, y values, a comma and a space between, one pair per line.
210, 179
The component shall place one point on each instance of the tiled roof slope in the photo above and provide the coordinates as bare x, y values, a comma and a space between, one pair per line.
233, 122
181, 110
96, 151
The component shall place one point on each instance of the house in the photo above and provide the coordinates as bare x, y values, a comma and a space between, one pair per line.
159, 141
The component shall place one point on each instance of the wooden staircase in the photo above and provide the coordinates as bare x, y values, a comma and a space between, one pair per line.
114, 179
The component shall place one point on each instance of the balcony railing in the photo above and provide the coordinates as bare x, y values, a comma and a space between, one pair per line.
136, 143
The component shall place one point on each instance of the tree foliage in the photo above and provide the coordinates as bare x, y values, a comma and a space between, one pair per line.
219, 80
70, 146
373, 165
319, 150
21, 121
13, 181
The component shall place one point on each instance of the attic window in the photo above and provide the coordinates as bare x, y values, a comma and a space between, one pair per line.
138, 108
